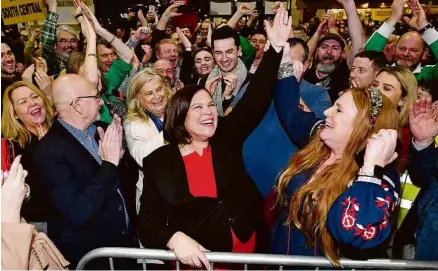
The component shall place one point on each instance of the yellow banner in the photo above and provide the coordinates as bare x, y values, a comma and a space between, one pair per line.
18, 11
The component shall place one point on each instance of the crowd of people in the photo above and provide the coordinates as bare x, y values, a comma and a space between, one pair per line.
246, 137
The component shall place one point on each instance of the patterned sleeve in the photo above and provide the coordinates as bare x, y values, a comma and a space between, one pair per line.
48, 34
124, 87
361, 216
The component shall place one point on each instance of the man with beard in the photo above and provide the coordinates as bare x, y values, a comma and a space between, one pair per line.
58, 43
258, 41
411, 47
329, 69
365, 67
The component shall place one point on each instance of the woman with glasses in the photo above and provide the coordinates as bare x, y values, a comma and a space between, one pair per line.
27, 115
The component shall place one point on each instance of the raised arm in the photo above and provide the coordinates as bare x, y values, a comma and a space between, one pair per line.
90, 64
355, 29
48, 33
379, 38
361, 216
123, 51
255, 102
316, 36
242, 10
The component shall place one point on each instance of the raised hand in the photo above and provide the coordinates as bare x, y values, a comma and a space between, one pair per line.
211, 84
418, 20
188, 251
397, 11
110, 143
14, 191
41, 64
147, 54
78, 10
52, 5
87, 29
19, 68
142, 33
230, 84
91, 17
330, 20
380, 150
172, 11
35, 34
278, 34
28, 73
276, 6
185, 41
44, 82
141, 18
210, 32
245, 9
423, 121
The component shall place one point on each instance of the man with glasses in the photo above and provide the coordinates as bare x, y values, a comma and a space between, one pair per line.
58, 43
79, 167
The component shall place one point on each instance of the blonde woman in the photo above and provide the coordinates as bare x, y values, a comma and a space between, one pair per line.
400, 86
27, 115
147, 99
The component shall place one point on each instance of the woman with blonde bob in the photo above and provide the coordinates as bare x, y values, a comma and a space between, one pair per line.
147, 99
337, 194
27, 115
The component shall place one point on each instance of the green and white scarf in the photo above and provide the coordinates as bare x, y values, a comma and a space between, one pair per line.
218, 97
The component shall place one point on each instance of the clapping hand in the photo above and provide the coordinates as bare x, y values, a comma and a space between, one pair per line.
380, 150
110, 143
211, 84
278, 34
14, 191
142, 33
19, 68
423, 121
28, 73
230, 84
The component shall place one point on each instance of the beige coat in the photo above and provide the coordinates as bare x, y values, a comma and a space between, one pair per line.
23, 248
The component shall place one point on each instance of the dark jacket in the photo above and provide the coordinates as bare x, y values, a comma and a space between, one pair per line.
87, 210
167, 205
420, 226
37, 208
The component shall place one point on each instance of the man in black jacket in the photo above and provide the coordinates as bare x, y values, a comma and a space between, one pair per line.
81, 177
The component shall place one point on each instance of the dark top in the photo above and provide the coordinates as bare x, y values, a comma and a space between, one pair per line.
200, 177
167, 206
87, 210
335, 82
37, 208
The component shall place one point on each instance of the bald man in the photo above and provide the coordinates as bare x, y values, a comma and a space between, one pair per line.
80, 176
410, 49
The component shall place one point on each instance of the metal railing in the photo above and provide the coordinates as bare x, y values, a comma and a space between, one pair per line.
250, 259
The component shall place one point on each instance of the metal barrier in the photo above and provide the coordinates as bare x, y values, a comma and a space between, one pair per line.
246, 259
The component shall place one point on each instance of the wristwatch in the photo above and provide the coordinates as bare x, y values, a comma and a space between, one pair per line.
424, 29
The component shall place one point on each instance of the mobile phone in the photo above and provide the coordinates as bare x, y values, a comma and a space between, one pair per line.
151, 8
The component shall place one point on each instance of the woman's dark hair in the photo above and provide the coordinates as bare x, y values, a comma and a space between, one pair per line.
175, 131
202, 49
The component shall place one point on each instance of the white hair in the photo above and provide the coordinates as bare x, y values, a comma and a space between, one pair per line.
65, 28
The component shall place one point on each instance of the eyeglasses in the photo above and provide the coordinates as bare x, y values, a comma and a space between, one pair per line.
68, 41
96, 97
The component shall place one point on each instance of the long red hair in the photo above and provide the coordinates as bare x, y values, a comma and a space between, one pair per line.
309, 215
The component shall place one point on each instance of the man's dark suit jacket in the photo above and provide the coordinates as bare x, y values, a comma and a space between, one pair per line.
87, 210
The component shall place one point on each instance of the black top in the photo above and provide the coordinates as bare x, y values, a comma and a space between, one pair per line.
87, 210
167, 205
37, 208
335, 82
